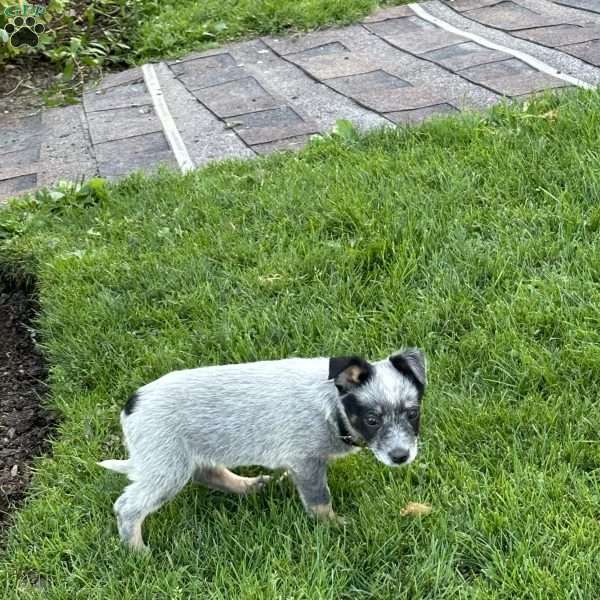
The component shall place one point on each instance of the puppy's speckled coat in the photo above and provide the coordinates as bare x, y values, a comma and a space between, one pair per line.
293, 414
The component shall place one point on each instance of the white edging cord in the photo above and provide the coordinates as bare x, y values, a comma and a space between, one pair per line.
166, 120
526, 58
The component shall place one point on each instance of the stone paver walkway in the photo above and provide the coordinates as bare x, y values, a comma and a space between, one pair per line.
399, 66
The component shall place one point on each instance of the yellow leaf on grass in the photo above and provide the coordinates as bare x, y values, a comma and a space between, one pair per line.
416, 509
551, 115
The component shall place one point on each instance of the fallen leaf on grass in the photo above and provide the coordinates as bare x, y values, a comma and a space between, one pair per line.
416, 509
551, 115
270, 278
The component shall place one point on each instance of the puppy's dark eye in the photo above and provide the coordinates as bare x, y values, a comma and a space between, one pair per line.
412, 414
372, 421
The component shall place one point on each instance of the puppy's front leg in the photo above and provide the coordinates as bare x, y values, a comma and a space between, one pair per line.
310, 478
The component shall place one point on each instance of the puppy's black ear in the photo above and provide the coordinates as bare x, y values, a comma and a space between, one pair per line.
413, 365
349, 371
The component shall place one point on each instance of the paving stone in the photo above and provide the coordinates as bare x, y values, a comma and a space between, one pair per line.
20, 134
339, 65
366, 82
407, 98
409, 117
476, 98
300, 91
559, 60
418, 43
389, 13
444, 86
510, 16
11, 162
20, 142
414, 34
387, 57
122, 123
236, 97
272, 125
323, 50
61, 151
204, 135
208, 70
403, 26
560, 35
132, 94
525, 85
192, 56
501, 68
464, 5
511, 77
589, 5
295, 143
18, 169
353, 38
17, 185
588, 51
129, 76
65, 150
462, 56
202, 63
142, 153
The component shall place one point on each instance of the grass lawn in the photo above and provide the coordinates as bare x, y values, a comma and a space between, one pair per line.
475, 238
173, 27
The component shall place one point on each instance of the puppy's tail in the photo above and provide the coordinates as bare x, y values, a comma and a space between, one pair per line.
120, 466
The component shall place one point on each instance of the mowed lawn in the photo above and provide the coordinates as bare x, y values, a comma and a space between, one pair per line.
477, 239
172, 27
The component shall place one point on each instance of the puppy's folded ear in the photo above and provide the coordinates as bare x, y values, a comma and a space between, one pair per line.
411, 363
349, 371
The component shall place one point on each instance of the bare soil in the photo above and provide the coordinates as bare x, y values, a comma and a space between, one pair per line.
21, 85
24, 423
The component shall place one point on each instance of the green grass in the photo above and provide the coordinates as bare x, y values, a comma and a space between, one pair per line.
174, 27
476, 239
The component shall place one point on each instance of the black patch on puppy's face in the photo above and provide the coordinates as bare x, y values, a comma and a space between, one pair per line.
349, 371
413, 416
364, 420
411, 366
130, 404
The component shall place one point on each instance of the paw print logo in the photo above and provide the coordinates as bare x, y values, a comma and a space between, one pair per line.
24, 32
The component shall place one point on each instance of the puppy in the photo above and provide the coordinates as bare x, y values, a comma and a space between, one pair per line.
293, 414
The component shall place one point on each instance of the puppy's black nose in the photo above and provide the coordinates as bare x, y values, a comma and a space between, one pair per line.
399, 456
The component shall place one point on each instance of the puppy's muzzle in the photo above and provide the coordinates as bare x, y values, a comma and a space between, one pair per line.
399, 456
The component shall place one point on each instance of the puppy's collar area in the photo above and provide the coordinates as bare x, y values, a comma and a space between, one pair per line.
343, 433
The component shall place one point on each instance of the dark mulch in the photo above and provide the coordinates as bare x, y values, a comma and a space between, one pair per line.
24, 424
21, 85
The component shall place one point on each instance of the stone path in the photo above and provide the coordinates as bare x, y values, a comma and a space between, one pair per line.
399, 66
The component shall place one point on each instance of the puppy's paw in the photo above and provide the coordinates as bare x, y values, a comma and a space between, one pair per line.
326, 514
339, 521
136, 546
258, 484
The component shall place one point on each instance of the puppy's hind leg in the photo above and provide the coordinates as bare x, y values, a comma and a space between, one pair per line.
220, 478
143, 497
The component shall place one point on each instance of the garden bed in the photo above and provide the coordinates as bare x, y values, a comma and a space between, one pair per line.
24, 422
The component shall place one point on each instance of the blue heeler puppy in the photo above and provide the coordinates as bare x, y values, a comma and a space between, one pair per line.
294, 414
